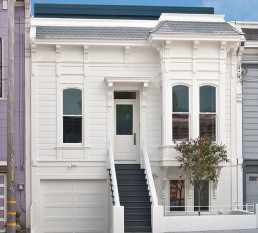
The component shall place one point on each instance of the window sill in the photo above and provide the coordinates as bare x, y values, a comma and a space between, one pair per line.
168, 146
72, 147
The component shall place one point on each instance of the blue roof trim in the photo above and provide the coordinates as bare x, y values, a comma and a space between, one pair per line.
112, 11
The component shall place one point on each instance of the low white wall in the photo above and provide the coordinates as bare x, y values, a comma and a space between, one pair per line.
118, 219
209, 222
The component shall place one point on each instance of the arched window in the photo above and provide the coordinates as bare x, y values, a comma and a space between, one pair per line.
207, 116
180, 113
72, 115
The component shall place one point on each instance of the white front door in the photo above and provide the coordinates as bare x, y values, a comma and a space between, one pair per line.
126, 131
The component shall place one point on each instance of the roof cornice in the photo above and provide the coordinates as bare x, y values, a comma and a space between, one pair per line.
92, 22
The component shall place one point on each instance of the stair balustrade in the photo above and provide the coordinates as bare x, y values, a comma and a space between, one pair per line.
111, 166
147, 167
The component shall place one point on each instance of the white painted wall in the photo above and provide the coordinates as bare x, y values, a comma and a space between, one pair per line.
191, 62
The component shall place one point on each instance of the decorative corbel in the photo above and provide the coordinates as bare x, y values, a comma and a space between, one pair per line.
144, 95
222, 64
215, 184
33, 52
85, 53
195, 48
195, 55
190, 191
58, 59
223, 50
110, 95
85, 59
234, 62
33, 60
127, 54
167, 48
163, 192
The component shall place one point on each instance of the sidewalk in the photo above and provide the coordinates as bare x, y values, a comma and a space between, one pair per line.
225, 231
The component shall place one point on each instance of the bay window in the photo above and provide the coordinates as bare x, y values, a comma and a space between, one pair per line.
180, 113
207, 116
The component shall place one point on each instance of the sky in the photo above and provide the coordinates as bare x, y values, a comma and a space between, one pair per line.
234, 10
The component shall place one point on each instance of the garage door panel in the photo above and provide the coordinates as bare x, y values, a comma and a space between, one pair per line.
88, 211
74, 206
58, 211
89, 199
58, 199
63, 186
58, 223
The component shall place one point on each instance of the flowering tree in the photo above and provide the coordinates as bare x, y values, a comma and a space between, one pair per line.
200, 159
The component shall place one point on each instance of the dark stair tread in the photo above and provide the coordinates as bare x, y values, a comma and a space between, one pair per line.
137, 229
134, 196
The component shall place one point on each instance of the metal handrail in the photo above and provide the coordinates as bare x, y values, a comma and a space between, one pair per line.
149, 176
113, 175
220, 209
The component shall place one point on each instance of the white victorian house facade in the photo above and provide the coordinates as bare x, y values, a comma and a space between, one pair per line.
109, 95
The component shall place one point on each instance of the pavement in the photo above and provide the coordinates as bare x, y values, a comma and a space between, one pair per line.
225, 231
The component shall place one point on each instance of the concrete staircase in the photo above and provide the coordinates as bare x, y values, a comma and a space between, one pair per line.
134, 196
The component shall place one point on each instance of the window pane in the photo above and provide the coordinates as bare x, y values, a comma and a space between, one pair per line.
124, 119
124, 95
180, 125
207, 99
204, 196
180, 98
72, 102
208, 126
72, 129
177, 195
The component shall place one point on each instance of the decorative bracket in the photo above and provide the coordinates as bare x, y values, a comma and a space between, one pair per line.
58, 59
85, 59
127, 54
195, 55
215, 184
110, 95
167, 48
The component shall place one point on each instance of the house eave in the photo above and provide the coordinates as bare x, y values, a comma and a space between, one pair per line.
89, 42
194, 37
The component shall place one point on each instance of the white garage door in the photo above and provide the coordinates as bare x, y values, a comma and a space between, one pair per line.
252, 188
74, 206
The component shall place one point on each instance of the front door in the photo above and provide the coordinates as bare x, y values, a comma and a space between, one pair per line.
126, 131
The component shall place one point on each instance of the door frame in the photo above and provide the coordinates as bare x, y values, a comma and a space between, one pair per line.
136, 127
140, 86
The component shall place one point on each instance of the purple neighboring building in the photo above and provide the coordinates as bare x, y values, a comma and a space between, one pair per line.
19, 107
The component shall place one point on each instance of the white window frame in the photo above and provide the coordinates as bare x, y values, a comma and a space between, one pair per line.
209, 113
60, 121
186, 191
181, 113
210, 195
170, 112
